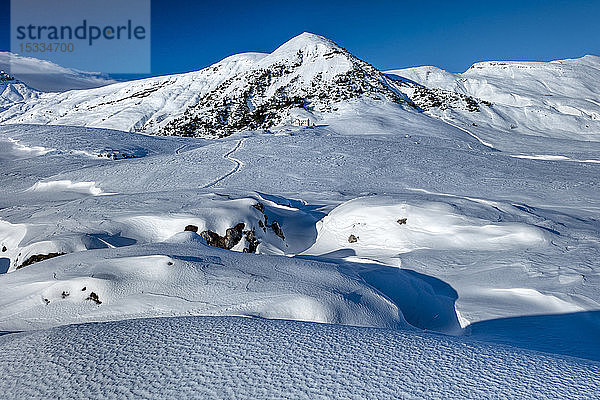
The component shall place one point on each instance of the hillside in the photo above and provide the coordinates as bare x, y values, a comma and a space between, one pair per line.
557, 99
14, 91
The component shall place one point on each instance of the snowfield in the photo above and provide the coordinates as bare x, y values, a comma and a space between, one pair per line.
409, 206
208, 357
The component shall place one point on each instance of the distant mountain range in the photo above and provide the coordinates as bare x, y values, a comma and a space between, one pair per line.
312, 77
46, 76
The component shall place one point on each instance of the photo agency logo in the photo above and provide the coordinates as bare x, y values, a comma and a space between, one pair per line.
108, 36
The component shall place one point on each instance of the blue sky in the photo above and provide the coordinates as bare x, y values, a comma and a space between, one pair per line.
189, 35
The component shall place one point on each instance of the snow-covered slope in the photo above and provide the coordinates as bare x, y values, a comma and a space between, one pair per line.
184, 276
14, 91
243, 358
446, 247
137, 105
49, 77
557, 99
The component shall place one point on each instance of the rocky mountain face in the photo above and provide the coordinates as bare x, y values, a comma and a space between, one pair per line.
425, 98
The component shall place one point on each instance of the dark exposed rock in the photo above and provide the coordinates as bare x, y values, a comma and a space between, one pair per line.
94, 297
65, 294
260, 223
352, 239
37, 258
277, 230
231, 238
4, 77
46, 301
253, 242
191, 228
84, 288
402, 221
4, 249
424, 98
259, 206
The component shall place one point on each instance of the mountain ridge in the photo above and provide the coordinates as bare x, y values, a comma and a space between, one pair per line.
314, 78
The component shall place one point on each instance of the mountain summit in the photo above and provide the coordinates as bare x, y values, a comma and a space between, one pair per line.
309, 74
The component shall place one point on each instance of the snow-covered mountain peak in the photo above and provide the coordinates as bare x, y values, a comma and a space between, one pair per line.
308, 43
308, 75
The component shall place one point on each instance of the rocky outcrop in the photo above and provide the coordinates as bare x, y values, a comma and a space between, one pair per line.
277, 230
191, 228
231, 238
252, 241
37, 258
426, 99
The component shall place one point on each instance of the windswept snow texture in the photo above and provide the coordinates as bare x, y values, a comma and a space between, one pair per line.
224, 358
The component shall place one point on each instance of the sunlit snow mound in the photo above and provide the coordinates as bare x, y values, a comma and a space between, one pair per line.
224, 358
387, 226
184, 276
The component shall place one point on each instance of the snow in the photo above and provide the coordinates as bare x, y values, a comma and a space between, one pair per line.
185, 276
68, 186
380, 216
245, 358
557, 99
387, 226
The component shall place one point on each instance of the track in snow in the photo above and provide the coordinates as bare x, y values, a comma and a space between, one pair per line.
486, 144
180, 148
227, 156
